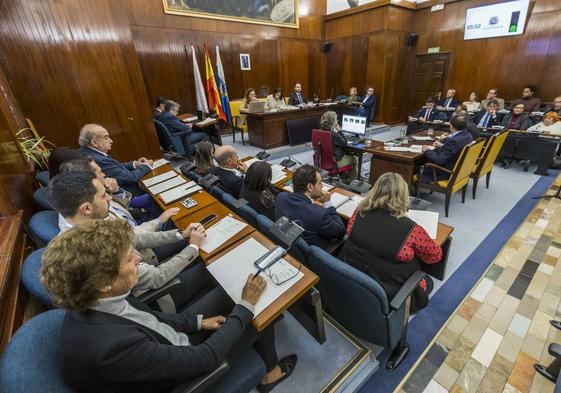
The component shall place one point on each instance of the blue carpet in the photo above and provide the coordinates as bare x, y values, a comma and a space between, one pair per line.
426, 325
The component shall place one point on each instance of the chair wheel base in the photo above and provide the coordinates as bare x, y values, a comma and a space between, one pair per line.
540, 368
555, 324
397, 356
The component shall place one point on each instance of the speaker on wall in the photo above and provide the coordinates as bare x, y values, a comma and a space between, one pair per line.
326, 46
412, 39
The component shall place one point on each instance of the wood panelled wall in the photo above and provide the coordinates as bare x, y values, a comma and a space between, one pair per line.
507, 62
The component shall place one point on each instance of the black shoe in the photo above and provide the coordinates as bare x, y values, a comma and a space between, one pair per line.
287, 365
555, 324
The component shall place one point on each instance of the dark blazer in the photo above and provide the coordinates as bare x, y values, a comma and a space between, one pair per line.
253, 199
523, 122
155, 112
322, 225
102, 352
493, 120
338, 144
293, 100
433, 114
231, 183
446, 155
453, 104
368, 107
173, 124
125, 174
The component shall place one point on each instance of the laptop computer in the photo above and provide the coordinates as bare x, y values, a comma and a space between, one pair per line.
256, 107
354, 127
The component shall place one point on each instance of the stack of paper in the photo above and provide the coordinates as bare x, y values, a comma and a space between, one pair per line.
158, 179
251, 161
206, 122
338, 199
278, 173
179, 192
422, 138
166, 185
348, 208
159, 163
428, 220
220, 232
232, 269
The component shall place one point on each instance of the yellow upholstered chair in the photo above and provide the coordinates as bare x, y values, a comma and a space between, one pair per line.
237, 124
458, 176
486, 161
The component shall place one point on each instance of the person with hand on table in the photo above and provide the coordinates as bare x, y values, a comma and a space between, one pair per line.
320, 221
427, 113
230, 170
385, 244
485, 119
112, 342
275, 100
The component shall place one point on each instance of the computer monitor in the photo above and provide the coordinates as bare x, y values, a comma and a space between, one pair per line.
354, 124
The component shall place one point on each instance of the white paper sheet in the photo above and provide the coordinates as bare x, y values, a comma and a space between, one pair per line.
288, 188
428, 220
159, 163
251, 161
166, 185
220, 232
422, 138
176, 193
338, 199
232, 269
158, 179
349, 207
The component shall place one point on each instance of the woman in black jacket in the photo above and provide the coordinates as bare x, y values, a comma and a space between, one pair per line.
257, 189
329, 123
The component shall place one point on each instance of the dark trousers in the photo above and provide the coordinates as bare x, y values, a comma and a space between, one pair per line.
166, 251
196, 282
195, 137
217, 302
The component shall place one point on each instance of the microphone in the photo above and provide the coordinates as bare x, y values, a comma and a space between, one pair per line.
290, 162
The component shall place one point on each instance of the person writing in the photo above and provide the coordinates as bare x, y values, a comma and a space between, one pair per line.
275, 100
112, 342
386, 245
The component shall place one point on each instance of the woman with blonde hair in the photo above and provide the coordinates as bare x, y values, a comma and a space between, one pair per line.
387, 245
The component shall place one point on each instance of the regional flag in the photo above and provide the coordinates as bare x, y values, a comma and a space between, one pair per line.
214, 102
221, 81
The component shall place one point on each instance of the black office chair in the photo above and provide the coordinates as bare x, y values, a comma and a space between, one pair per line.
176, 142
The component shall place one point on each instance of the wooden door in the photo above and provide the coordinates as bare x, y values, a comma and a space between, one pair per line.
428, 78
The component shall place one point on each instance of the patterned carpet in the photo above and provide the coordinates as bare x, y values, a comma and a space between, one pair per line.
501, 329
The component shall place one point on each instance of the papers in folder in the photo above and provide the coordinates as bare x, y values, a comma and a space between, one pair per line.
232, 269
158, 179
159, 163
422, 138
428, 220
348, 208
166, 185
220, 232
410, 149
179, 192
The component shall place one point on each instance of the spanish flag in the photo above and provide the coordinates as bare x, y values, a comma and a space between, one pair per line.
214, 102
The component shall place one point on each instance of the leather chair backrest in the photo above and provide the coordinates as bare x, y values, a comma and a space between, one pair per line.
323, 150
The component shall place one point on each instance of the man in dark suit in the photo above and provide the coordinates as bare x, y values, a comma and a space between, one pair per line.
368, 104
449, 103
445, 154
423, 115
230, 170
297, 97
485, 119
96, 143
322, 224
160, 106
169, 118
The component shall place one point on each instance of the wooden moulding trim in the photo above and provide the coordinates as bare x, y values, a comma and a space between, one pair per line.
371, 6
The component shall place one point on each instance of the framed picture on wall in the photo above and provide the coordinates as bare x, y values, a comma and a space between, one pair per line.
245, 62
283, 13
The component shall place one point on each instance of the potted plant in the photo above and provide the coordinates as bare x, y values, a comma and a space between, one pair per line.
36, 149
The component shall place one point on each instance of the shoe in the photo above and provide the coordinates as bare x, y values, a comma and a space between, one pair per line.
287, 365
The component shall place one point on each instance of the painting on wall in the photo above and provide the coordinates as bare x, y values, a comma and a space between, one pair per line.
282, 13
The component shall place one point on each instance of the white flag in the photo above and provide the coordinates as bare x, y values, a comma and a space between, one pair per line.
199, 88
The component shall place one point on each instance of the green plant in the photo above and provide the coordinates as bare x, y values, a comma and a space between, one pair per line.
34, 149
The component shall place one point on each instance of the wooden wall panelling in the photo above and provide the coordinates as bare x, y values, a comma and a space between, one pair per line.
84, 70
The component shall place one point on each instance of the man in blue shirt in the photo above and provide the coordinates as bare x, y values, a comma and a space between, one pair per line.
169, 118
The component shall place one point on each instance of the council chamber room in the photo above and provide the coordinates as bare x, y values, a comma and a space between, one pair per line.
186, 190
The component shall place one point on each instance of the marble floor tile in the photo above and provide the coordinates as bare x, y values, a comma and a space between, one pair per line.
549, 303
446, 376
482, 289
540, 325
420, 378
475, 329
457, 389
457, 324
538, 284
460, 354
448, 338
507, 278
495, 296
519, 325
533, 346
486, 312
492, 381
487, 347
545, 268
510, 346
494, 272
549, 260
510, 389
519, 286
471, 376
554, 251
436, 354
434, 387
542, 223
522, 373
504, 314
528, 306
469, 308
542, 385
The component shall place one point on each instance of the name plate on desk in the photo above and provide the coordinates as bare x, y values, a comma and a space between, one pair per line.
232, 269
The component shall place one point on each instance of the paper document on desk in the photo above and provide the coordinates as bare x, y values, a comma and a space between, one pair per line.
159, 163
278, 174
428, 220
166, 185
231, 271
251, 161
348, 208
206, 122
221, 232
338, 199
422, 138
179, 192
158, 179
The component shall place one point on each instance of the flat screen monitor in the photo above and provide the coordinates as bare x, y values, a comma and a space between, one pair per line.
496, 20
354, 124
300, 130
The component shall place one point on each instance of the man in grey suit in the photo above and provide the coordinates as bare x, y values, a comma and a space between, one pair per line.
80, 197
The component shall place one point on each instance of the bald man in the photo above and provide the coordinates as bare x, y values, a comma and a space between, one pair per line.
95, 142
230, 170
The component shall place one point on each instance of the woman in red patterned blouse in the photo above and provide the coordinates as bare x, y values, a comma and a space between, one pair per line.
387, 245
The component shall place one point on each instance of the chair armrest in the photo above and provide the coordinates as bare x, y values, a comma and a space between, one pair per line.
179, 133
154, 294
406, 289
434, 166
334, 248
202, 383
555, 350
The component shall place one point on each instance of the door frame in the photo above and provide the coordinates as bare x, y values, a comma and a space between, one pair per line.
413, 79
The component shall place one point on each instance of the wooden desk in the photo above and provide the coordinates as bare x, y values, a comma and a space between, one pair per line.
404, 163
298, 290
221, 211
279, 184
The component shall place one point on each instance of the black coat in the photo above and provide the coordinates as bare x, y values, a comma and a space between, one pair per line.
229, 182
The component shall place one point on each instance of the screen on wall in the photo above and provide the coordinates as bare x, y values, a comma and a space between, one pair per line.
496, 20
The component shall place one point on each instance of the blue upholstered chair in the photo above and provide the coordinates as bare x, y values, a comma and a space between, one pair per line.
360, 304
248, 213
30, 278
194, 176
31, 361
40, 197
168, 141
43, 178
264, 225
44, 227
216, 191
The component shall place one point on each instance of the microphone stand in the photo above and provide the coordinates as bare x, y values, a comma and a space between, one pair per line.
556, 195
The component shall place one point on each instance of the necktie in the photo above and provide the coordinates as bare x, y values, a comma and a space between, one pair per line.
299, 98
484, 120
427, 115
448, 101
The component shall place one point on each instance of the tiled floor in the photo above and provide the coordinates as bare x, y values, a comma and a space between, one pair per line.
491, 342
